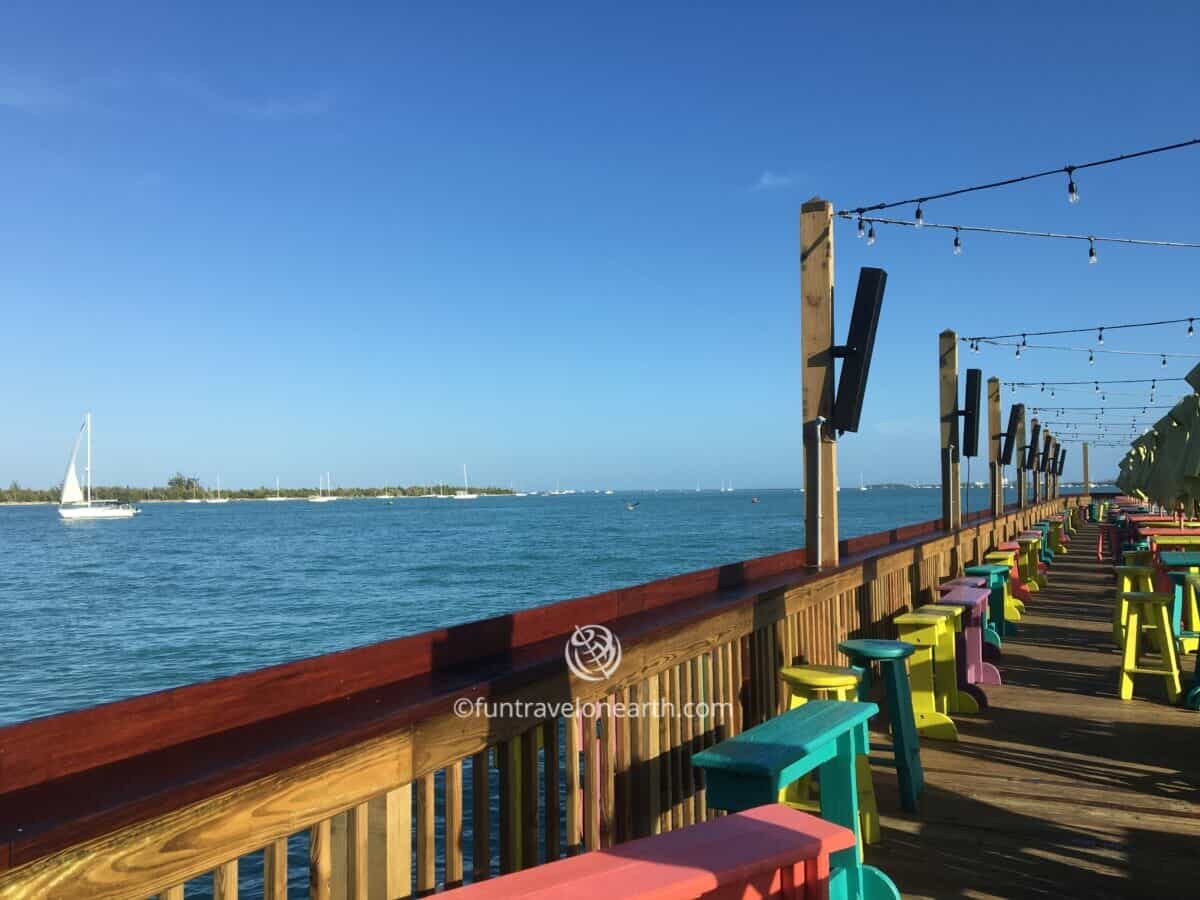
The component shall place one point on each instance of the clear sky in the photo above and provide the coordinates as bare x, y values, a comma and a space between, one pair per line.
554, 242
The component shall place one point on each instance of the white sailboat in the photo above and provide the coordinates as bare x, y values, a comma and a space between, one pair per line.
74, 504
324, 483
862, 485
218, 498
465, 493
193, 498
277, 496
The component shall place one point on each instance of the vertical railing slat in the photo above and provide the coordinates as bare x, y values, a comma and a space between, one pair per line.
320, 861
481, 790
426, 835
275, 870
574, 811
551, 783
454, 824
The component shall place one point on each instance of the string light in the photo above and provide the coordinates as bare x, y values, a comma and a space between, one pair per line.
1088, 350
1091, 358
1100, 335
957, 244
1164, 362
861, 230
1092, 258
1068, 169
1191, 330
871, 235
1057, 331
919, 218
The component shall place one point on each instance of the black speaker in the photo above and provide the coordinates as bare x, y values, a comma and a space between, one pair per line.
1047, 459
860, 344
1062, 460
1031, 453
1010, 435
971, 412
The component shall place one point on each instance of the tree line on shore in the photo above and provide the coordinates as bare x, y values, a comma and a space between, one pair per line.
187, 487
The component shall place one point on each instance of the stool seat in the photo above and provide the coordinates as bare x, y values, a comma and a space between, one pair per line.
874, 648
820, 677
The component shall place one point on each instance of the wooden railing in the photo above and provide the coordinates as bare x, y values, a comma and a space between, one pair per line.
359, 761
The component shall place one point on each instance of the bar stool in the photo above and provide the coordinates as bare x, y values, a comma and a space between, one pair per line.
1031, 545
1016, 577
1151, 606
1129, 578
973, 670
997, 576
1184, 609
905, 747
810, 682
1013, 607
949, 674
923, 631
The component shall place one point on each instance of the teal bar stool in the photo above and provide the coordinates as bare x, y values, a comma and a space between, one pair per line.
1047, 552
997, 576
907, 749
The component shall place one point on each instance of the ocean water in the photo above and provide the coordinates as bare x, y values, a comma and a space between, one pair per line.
98, 611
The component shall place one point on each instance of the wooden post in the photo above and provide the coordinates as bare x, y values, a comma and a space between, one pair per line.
994, 437
1019, 454
816, 341
948, 379
1087, 483
1036, 494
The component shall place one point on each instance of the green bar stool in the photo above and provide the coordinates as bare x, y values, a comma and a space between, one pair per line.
891, 656
997, 581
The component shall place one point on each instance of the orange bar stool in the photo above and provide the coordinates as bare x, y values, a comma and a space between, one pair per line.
811, 682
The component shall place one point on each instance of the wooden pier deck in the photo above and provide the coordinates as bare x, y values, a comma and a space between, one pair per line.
1058, 789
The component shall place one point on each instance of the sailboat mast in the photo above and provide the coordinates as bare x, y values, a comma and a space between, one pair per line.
465, 485
89, 459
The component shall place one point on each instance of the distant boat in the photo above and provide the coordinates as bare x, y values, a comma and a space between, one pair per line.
321, 496
465, 493
277, 497
862, 485
753, 499
193, 498
609, 492
73, 503
631, 505
558, 491
218, 498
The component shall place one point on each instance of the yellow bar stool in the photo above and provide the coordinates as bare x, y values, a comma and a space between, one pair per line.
1129, 578
1156, 607
1013, 607
945, 662
1056, 537
1189, 643
923, 630
806, 683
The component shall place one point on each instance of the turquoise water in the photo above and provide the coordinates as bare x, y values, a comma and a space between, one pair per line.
98, 611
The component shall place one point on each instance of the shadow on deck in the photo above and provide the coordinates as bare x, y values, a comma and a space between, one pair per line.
1058, 789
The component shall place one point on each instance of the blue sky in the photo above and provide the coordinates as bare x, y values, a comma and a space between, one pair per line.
554, 242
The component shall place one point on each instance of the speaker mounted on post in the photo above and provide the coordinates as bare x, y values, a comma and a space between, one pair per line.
857, 351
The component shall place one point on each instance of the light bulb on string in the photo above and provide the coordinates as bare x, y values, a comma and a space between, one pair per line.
1043, 388
1100, 336
1091, 358
957, 244
861, 230
871, 235
1164, 362
1097, 387
1191, 328
920, 217
1092, 258
1018, 351
1072, 190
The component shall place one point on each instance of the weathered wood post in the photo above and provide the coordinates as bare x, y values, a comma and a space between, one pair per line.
1033, 470
1087, 479
1019, 459
816, 342
995, 435
948, 380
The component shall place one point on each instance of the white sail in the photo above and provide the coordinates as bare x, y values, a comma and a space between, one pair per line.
71, 491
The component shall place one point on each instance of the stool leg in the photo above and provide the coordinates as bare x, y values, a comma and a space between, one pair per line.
1166, 647
930, 723
868, 809
905, 746
1129, 657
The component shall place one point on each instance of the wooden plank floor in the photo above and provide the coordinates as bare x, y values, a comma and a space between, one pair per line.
1058, 789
